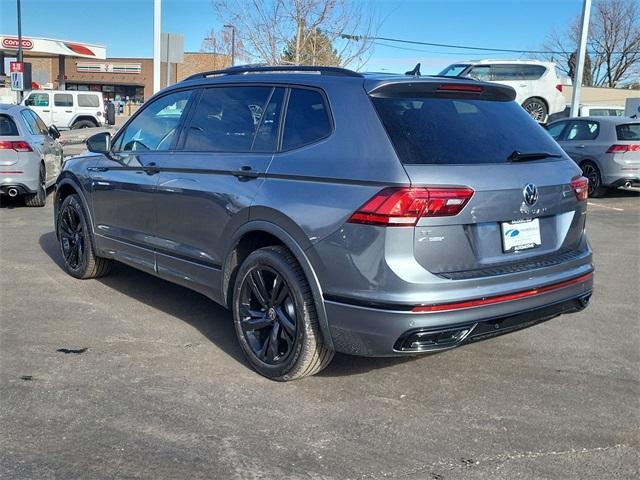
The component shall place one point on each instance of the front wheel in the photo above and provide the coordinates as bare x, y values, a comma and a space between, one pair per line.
536, 108
72, 228
275, 317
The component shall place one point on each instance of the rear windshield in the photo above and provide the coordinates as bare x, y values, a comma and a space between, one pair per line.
7, 126
628, 131
430, 130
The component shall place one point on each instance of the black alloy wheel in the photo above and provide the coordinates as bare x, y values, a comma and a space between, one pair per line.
72, 238
592, 172
268, 315
275, 317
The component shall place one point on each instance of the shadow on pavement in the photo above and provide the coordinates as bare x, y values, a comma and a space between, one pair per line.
621, 193
211, 319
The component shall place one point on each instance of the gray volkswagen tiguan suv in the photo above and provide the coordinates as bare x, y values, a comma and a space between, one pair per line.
374, 215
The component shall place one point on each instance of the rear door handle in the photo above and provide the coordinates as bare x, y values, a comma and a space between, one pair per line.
245, 172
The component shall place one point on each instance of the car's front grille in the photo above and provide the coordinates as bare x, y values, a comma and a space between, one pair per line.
516, 267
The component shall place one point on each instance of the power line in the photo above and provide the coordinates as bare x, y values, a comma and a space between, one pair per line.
461, 47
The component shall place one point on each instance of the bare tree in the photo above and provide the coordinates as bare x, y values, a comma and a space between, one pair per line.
613, 43
269, 27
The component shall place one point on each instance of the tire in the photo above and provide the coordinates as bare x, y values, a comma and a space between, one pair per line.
72, 230
38, 199
280, 335
592, 172
83, 124
536, 107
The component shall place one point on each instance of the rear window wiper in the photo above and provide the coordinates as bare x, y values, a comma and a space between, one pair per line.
517, 156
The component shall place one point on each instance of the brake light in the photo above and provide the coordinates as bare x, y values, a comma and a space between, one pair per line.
19, 146
580, 186
404, 206
624, 148
457, 87
559, 87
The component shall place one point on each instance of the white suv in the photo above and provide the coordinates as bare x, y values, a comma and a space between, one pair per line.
67, 108
537, 84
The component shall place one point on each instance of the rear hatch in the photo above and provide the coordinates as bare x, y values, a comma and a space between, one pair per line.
525, 206
626, 150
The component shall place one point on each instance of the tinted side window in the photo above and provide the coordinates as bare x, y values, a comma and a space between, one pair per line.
532, 72
63, 100
155, 127
86, 100
480, 72
267, 135
39, 123
37, 100
226, 119
583, 130
628, 131
30, 121
307, 119
506, 72
7, 126
556, 130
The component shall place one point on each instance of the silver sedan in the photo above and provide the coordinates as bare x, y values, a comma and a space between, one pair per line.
606, 148
30, 155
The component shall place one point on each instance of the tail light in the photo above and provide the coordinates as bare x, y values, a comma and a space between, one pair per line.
19, 146
580, 186
559, 87
404, 206
624, 148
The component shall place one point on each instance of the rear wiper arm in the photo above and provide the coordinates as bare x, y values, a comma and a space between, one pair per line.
517, 156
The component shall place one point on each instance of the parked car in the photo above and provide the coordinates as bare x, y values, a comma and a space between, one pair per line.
30, 155
537, 84
375, 215
607, 149
67, 109
590, 111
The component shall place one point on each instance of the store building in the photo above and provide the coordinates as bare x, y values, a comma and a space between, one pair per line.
129, 79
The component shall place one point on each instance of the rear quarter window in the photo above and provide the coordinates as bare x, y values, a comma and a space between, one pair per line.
8, 127
87, 100
307, 119
460, 131
628, 132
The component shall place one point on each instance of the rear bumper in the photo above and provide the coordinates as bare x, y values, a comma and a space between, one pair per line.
362, 330
631, 180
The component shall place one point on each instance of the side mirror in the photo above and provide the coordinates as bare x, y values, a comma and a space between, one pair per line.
99, 143
54, 132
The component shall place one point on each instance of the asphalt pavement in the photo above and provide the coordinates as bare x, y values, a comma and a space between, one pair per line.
162, 390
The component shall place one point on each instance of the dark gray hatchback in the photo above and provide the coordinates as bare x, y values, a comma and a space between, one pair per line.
334, 211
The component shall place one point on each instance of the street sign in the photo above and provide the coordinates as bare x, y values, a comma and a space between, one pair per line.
17, 76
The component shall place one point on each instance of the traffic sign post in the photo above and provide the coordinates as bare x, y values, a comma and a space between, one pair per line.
17, 76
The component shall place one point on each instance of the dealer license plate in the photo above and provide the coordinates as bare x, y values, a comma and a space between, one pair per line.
520, 235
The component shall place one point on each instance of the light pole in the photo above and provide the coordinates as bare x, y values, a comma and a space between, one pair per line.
20, 57
582, 48
233, 43
157, 15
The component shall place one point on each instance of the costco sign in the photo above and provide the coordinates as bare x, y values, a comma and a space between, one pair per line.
12, 43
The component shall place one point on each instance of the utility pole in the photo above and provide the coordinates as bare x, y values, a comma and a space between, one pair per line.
20, 58
233, 43
157, 25
582, 49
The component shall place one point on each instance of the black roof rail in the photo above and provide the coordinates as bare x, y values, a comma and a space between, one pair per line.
243, 69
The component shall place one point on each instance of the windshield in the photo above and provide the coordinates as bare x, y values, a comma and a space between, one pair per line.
460, 131
453, 70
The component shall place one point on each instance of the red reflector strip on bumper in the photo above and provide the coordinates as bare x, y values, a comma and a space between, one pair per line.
500, 298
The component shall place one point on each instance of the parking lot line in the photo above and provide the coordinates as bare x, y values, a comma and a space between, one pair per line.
606, 206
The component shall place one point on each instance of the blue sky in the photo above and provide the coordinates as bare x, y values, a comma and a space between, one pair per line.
125, 26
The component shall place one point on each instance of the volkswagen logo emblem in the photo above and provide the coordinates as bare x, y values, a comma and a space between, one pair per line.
530, 193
